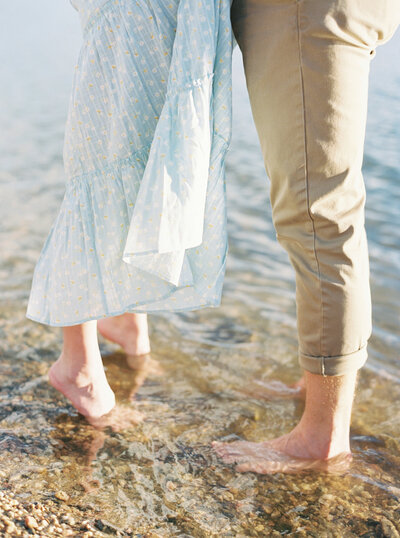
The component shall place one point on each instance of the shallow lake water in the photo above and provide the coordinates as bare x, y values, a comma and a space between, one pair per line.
159, 476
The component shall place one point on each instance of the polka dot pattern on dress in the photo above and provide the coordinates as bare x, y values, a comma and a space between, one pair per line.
142, 226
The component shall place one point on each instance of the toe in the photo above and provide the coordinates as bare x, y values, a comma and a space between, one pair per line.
263, 467
231, 458
220, 450
253, 466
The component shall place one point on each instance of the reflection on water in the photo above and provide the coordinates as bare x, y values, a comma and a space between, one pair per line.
150, 467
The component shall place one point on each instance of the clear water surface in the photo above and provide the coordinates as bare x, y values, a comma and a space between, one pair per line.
160, 476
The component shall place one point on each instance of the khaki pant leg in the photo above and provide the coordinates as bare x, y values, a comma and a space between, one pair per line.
307, 66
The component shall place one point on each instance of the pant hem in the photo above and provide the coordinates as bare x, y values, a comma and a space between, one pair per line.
336, 365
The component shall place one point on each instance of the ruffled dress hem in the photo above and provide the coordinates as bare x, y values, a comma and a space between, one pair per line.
147, 232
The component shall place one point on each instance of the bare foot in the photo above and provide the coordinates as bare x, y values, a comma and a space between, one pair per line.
290, 453
118, 419
87, 390
276, 390
130, 331
321, 440
293, 452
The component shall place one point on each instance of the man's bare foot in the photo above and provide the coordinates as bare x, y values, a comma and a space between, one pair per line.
293, 452
281, 455
87, 389
276, 390
130, 331
320, 440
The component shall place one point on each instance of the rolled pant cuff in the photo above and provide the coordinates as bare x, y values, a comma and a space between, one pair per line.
338, 365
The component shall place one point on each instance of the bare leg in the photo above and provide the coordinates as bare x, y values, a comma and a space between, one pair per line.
322, 435
79, 374
130, 331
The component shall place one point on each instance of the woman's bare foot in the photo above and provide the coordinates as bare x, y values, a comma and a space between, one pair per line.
276, 390
130, 331
119, 418
86, 387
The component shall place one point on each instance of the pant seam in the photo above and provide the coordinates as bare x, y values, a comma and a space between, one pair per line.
335, 365
325, 357
301, 72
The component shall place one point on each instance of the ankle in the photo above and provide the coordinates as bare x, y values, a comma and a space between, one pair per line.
78, 366
327, 414
324, 441
134, 321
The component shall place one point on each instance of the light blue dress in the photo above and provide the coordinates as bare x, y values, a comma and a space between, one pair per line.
142, 226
